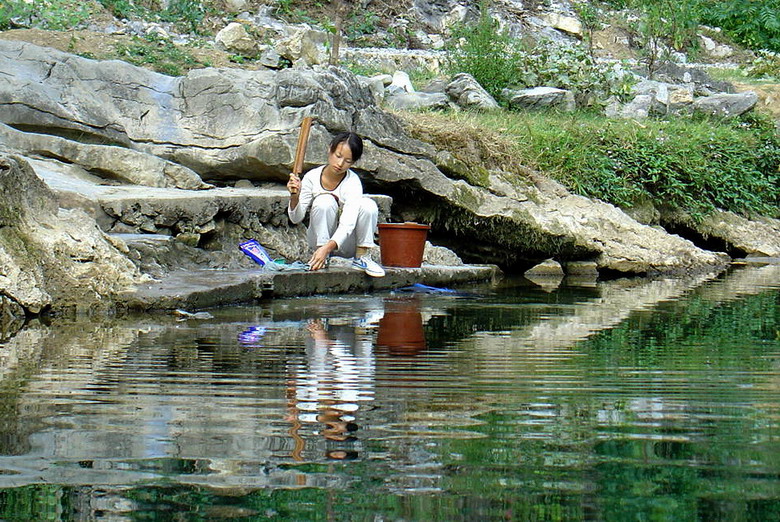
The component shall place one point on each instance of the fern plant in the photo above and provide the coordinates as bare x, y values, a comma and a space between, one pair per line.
753, 23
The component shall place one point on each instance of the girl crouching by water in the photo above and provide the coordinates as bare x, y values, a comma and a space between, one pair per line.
342, 221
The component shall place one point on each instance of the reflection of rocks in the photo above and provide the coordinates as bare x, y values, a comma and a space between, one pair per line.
548, 274
11, 316
619, 299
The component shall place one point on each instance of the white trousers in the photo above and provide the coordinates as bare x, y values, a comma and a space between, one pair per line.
324, 220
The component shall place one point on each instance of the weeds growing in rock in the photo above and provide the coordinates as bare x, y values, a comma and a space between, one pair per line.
159, 55
765, 66
46, 14
695, 165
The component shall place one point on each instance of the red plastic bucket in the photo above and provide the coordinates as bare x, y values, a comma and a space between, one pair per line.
402, 244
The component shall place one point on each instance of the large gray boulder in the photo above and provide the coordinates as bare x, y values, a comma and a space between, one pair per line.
540, 98
441, 15
638, 108
467, 93
726, 105
698, 79
219, 123
234, 38
415, 101
666, 98
120, 163
229, 124
52, 257
741, 235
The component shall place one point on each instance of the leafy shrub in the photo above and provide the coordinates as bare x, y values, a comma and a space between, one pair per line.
485, 52
497, 62
753, 24
572, 68
662, 27
765, 66
187, 12
45, 14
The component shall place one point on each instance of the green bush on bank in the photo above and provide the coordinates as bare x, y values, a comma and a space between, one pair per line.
692, 165
497, 62
695, 165
47, 14
766, 66
754, 24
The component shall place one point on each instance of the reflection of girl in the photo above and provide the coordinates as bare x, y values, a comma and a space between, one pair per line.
337, 379
342, 221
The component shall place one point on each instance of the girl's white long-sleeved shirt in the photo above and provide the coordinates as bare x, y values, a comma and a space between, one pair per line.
348, 194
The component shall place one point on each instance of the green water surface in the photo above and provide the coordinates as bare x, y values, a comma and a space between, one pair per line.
619, 400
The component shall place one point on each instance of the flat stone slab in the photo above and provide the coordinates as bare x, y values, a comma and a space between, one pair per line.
200, 289
136, 202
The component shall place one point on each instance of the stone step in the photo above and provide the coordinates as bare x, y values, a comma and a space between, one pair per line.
200, 289
170, 211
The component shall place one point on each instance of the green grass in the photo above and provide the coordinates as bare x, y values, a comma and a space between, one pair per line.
159, 55
739, 75
692, 164
54, 15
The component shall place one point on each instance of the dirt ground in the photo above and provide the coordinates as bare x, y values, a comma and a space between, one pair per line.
768, 97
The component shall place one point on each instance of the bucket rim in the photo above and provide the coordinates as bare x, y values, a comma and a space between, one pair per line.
407, 225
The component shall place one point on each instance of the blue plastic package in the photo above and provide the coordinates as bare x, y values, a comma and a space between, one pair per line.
256, 252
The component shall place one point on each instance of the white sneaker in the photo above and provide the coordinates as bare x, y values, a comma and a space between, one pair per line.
369, 266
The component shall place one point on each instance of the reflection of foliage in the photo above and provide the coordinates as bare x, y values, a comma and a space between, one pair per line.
567, 438
506, 310
640, 469
37, 502
718, 329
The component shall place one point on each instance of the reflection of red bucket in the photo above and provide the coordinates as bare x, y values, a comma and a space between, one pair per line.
402, 244
401, 328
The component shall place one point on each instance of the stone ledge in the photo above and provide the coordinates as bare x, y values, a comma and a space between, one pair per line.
199, 289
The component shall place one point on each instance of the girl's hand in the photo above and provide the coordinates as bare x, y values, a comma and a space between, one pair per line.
294, 184
320, 256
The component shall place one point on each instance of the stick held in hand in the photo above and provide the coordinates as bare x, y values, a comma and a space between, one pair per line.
300, 151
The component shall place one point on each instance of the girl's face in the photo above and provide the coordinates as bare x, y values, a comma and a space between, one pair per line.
341, 158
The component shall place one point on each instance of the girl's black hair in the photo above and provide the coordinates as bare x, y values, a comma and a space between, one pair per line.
351, 139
